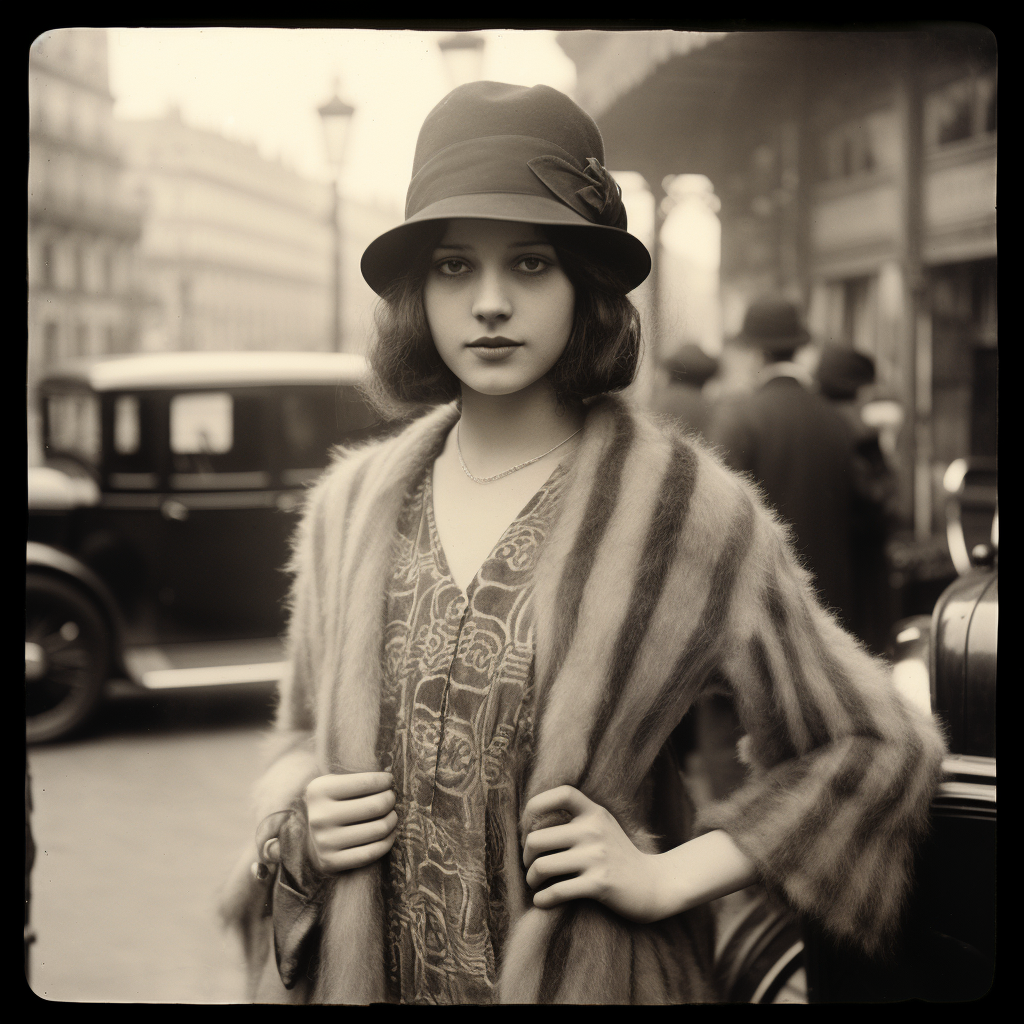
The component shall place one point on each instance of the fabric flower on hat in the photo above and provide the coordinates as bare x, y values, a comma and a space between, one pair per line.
591, 192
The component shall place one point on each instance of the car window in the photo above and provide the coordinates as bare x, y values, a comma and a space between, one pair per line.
217, 440
315, 418
73, 427
202, 423
127, 430
132, 442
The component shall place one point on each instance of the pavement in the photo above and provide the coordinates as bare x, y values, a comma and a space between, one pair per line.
136, 827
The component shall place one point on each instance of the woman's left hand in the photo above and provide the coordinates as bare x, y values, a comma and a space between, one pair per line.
591, 857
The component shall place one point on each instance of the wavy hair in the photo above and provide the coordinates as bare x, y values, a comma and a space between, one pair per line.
601, 355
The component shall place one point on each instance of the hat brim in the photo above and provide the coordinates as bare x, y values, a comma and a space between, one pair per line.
387, 257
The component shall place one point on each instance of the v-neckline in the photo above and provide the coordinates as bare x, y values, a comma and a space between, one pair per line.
435, 536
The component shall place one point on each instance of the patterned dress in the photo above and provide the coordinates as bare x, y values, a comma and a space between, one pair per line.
454, 716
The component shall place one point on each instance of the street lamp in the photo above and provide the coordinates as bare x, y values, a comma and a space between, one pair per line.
463, 55
336, 116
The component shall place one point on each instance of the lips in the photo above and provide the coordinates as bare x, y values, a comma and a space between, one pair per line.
497, 342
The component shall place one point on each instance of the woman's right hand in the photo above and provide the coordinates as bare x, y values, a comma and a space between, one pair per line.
352, 820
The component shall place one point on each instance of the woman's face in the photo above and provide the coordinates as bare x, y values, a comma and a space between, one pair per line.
499, 306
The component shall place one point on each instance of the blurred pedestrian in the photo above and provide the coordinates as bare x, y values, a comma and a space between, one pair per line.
680, 394
492, 640
842, 374
795, 445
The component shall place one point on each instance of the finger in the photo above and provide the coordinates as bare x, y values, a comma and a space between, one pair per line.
346, 787
575, 888
360, 856
554, 865
561, 798
348, 836
269, 827
544, 840
351, 812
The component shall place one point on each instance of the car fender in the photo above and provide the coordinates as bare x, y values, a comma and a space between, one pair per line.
51, 559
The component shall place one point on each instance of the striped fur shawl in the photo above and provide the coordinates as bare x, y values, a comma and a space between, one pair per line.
663, 571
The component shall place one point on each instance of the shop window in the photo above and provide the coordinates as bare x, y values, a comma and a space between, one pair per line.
964, 359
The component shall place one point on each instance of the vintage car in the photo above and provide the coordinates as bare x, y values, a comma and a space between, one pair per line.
945, 662
159, 524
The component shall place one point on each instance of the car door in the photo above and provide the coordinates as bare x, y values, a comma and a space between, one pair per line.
224, 534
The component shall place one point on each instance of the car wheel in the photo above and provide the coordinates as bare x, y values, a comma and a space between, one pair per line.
67, 656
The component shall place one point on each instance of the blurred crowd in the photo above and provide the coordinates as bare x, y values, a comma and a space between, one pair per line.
801, 419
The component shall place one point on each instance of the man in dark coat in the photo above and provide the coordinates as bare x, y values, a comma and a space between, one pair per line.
841, 374
799, 449
797, 446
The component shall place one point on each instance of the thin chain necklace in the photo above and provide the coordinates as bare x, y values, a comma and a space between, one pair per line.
508, 472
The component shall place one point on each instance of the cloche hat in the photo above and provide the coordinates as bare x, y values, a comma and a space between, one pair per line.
507, 152
772, 325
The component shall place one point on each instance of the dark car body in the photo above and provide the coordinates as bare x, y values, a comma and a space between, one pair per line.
946, 663
159, 526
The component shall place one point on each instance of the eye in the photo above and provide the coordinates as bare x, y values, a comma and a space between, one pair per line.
532, 264
451, 267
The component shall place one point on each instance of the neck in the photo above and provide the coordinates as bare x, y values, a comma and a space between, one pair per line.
499, 431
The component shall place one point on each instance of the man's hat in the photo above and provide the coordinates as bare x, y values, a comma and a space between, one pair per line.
772, 325
690, 364
506, 152
842, 372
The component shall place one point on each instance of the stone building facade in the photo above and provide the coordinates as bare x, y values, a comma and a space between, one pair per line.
236, 249
83, 226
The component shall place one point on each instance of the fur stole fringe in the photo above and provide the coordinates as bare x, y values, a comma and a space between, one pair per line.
662, 571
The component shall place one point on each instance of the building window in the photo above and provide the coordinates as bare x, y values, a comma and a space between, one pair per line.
847, 151
961, 110
46, 276
81, 340
51, 335
78, 256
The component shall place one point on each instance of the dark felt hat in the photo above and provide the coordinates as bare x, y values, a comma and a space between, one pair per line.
507, 152
772, 325
842, 372
690, 364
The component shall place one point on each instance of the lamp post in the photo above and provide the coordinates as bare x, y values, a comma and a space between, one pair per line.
336, 116
463, 55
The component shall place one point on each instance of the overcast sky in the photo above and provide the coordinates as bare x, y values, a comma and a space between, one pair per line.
264, 85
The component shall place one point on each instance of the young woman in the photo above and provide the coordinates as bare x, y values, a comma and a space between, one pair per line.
501, 614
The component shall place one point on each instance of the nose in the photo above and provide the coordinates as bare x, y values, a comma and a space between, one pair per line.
491, 303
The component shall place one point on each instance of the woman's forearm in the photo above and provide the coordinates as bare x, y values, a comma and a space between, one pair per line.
703, 869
